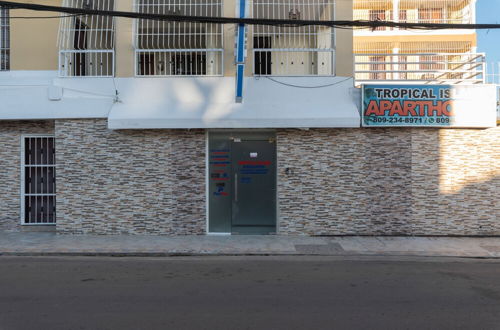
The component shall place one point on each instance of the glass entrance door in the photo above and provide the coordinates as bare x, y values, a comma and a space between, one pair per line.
242, 182
254, 186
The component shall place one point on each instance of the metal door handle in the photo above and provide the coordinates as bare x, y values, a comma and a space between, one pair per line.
236, 187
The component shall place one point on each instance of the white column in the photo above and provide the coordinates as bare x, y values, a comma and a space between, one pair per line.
473, 11
395, 67
211, 43
124, 49
395, 10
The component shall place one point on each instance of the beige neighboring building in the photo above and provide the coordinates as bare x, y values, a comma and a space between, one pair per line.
131, 126
446, 56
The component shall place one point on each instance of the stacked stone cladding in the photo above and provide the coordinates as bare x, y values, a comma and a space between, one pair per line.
129, 182
392, 181
389, 181
10, 168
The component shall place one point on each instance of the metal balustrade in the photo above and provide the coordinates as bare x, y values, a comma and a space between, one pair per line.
87, 42
293, 50
179, 48
493, 73
450, 68
493, 77
411, 11
4, 39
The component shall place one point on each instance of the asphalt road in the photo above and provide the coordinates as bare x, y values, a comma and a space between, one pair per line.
248, 293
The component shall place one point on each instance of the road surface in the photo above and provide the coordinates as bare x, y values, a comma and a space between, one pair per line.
248, 293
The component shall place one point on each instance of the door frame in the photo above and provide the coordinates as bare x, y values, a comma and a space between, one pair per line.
207, 174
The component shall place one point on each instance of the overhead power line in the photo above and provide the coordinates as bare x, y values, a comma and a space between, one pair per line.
249, 21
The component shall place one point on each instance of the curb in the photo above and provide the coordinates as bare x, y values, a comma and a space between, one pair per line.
245, 254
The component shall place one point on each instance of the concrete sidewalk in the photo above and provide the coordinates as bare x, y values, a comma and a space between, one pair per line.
43, 243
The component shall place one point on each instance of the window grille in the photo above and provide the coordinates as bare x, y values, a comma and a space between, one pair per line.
178, 48
374, 10
39, 180
293, 50
87, 42
378, 15
430, 15
4, 39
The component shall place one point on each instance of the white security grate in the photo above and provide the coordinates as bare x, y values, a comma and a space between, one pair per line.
293, 50
87, 42
39, 181
178, 48
4, 39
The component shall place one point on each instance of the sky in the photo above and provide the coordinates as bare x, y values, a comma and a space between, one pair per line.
488, 11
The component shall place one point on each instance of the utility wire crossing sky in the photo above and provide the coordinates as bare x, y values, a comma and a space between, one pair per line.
249, 21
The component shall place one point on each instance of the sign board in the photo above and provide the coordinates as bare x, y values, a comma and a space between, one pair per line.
428, 106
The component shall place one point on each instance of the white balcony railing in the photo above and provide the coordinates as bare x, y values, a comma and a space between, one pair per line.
493, 77
444, 68
411, 11
493, 73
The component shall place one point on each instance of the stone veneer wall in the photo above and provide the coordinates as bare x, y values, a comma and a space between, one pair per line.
133, 182
389, 181
339, 182
10, 168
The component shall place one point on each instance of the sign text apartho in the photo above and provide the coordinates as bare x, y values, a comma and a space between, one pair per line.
392, 105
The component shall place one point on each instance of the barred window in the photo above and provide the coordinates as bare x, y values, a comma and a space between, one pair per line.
431, 15
39, 180
378, 15
179, 48
4, 39
87, 42
293, 50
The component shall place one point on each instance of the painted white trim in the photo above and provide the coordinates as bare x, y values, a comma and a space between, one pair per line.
207, 186
207, 182
278, 215
23, 177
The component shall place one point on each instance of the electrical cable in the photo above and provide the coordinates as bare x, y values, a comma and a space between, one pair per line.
308, 87
40, 17
89, 92
248, 21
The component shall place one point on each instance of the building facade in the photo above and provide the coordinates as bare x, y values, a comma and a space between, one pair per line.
133, 126
420, 56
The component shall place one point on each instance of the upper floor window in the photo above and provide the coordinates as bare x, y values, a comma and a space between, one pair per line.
378, 15
178, 48
87, 42
430, 15
293, 50
4, 39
